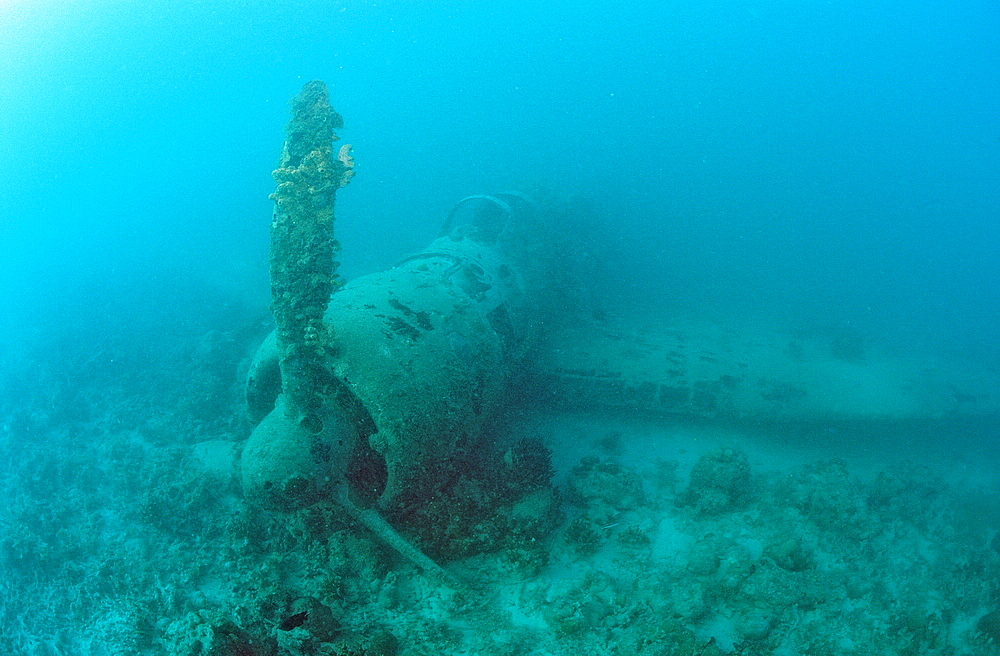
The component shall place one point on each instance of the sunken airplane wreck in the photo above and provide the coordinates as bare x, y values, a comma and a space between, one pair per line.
367, 393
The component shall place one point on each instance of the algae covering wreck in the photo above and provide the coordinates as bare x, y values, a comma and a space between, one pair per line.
370, 397
461, 455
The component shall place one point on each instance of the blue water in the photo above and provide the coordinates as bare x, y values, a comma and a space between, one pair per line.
817, 166
784, 159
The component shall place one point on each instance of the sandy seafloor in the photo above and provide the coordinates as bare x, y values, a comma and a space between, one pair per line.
123, 532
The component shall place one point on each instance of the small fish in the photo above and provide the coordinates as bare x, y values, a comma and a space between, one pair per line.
294, 621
